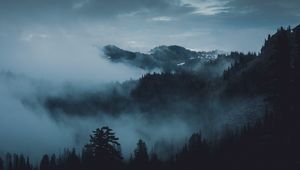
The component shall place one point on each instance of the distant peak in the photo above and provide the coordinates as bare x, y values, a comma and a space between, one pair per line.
112, 47
170, 47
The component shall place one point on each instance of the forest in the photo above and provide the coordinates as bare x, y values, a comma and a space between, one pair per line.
271, 141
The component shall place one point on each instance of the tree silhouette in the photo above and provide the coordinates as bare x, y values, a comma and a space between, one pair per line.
141, 158
141, 153
1, 164
105, 149
28, 164
9, 165
45, 163
52, 162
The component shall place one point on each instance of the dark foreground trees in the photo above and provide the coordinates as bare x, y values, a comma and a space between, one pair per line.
1, 164
141, 157
104, 150
266, 145
15, 162
45, 163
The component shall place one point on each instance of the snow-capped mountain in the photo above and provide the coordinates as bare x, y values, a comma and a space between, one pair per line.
166, 58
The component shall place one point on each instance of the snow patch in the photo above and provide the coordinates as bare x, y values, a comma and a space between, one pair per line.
181, 64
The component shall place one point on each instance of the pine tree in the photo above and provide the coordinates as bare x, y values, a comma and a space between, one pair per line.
53, 162
141, 153
1, 164
105, 148
141, 158
45, 163
9, 162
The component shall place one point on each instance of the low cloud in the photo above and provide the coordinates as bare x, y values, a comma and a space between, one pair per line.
162, 18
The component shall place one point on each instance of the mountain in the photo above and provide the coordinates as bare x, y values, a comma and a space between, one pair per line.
235, 83
195, 95
252, 107
165, 58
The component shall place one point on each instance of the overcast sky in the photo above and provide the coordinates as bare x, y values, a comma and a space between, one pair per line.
142, 24
39, 35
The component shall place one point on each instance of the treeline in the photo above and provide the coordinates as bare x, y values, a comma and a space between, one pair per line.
153, 93
102, 152
269, 144
15, 162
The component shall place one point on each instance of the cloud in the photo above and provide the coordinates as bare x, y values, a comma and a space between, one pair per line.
83, 8
80, 4
149, 22
29, 37
57, 55
207, 7
276, 12
24, 131
262, 13
162, 18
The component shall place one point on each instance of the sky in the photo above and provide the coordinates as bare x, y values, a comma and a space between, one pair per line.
141, 25
46, 44
39, 35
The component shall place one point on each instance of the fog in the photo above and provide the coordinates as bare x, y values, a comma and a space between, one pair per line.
40, 67
32, 131
49, 48
27, 127
35, 65
24, 131
58, 58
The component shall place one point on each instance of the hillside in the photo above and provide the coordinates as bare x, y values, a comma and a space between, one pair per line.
165, 58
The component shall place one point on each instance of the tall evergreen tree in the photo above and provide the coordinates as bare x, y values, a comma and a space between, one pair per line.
28, 164
141, 153
45, 163
53, 162
141, 157
9, 164
1, 164
105, 149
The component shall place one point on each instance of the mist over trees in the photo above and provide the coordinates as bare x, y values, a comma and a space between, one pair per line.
269, 141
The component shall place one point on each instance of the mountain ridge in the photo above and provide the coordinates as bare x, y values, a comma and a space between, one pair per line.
166, 58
